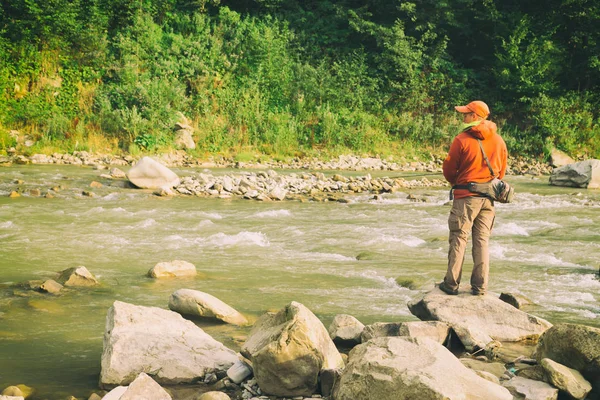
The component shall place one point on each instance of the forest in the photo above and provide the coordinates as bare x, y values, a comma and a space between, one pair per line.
287, 78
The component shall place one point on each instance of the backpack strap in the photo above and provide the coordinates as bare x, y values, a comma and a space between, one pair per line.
487, 161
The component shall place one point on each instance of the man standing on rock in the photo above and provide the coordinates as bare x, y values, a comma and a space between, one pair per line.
472, 212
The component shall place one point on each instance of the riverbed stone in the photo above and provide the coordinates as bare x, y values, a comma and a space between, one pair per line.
115, 394
528, 389
150, 174
200, 304
396, 368
566, 379
77, 276
486, 317
583, 174
51, 286
175, 268
575, 346
288, 350
345, 328
2, 397
160, 343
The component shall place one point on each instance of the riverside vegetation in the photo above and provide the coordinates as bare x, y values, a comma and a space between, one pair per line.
285, 78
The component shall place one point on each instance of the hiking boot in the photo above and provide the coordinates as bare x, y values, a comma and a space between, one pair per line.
444, 288
477, 292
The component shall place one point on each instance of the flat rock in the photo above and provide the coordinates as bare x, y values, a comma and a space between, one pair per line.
527, 389
403, 368
200, 304
484, 316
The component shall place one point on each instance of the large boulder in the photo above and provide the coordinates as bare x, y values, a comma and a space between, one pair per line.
398, 368
583, 174
575, 346
160, 343
150, 174
169, 269
200, 304
483, 318
78, 276
288, 350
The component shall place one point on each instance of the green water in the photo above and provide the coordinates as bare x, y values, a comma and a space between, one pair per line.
259, 256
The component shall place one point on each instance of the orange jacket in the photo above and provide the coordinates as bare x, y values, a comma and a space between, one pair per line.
465, 162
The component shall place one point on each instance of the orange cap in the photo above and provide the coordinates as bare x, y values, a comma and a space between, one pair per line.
478, 107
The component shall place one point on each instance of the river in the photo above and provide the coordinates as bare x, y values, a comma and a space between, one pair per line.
258, 256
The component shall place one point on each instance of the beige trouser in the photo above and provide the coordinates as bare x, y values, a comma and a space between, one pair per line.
468, 214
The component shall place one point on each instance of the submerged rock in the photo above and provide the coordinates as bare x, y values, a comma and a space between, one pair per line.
171, 269
288, 350
78, 276
159, 342
194, 302
402, 368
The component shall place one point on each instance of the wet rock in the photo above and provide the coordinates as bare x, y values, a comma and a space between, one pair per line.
87, 193
35, 192
200, 304
139, 339
78, 276
288, 350
51, 286
150, 174
175, 268
96, 184
406, 368
566, 379
345, 329
523, 388
14, 194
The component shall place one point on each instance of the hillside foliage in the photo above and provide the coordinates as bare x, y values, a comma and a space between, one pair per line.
290, 77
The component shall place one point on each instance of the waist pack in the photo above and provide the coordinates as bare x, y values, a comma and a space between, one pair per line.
495, 189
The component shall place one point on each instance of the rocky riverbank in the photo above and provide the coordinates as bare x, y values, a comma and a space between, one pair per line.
460, 348
517, 166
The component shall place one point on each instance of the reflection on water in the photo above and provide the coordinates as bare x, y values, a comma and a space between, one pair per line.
332, 257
